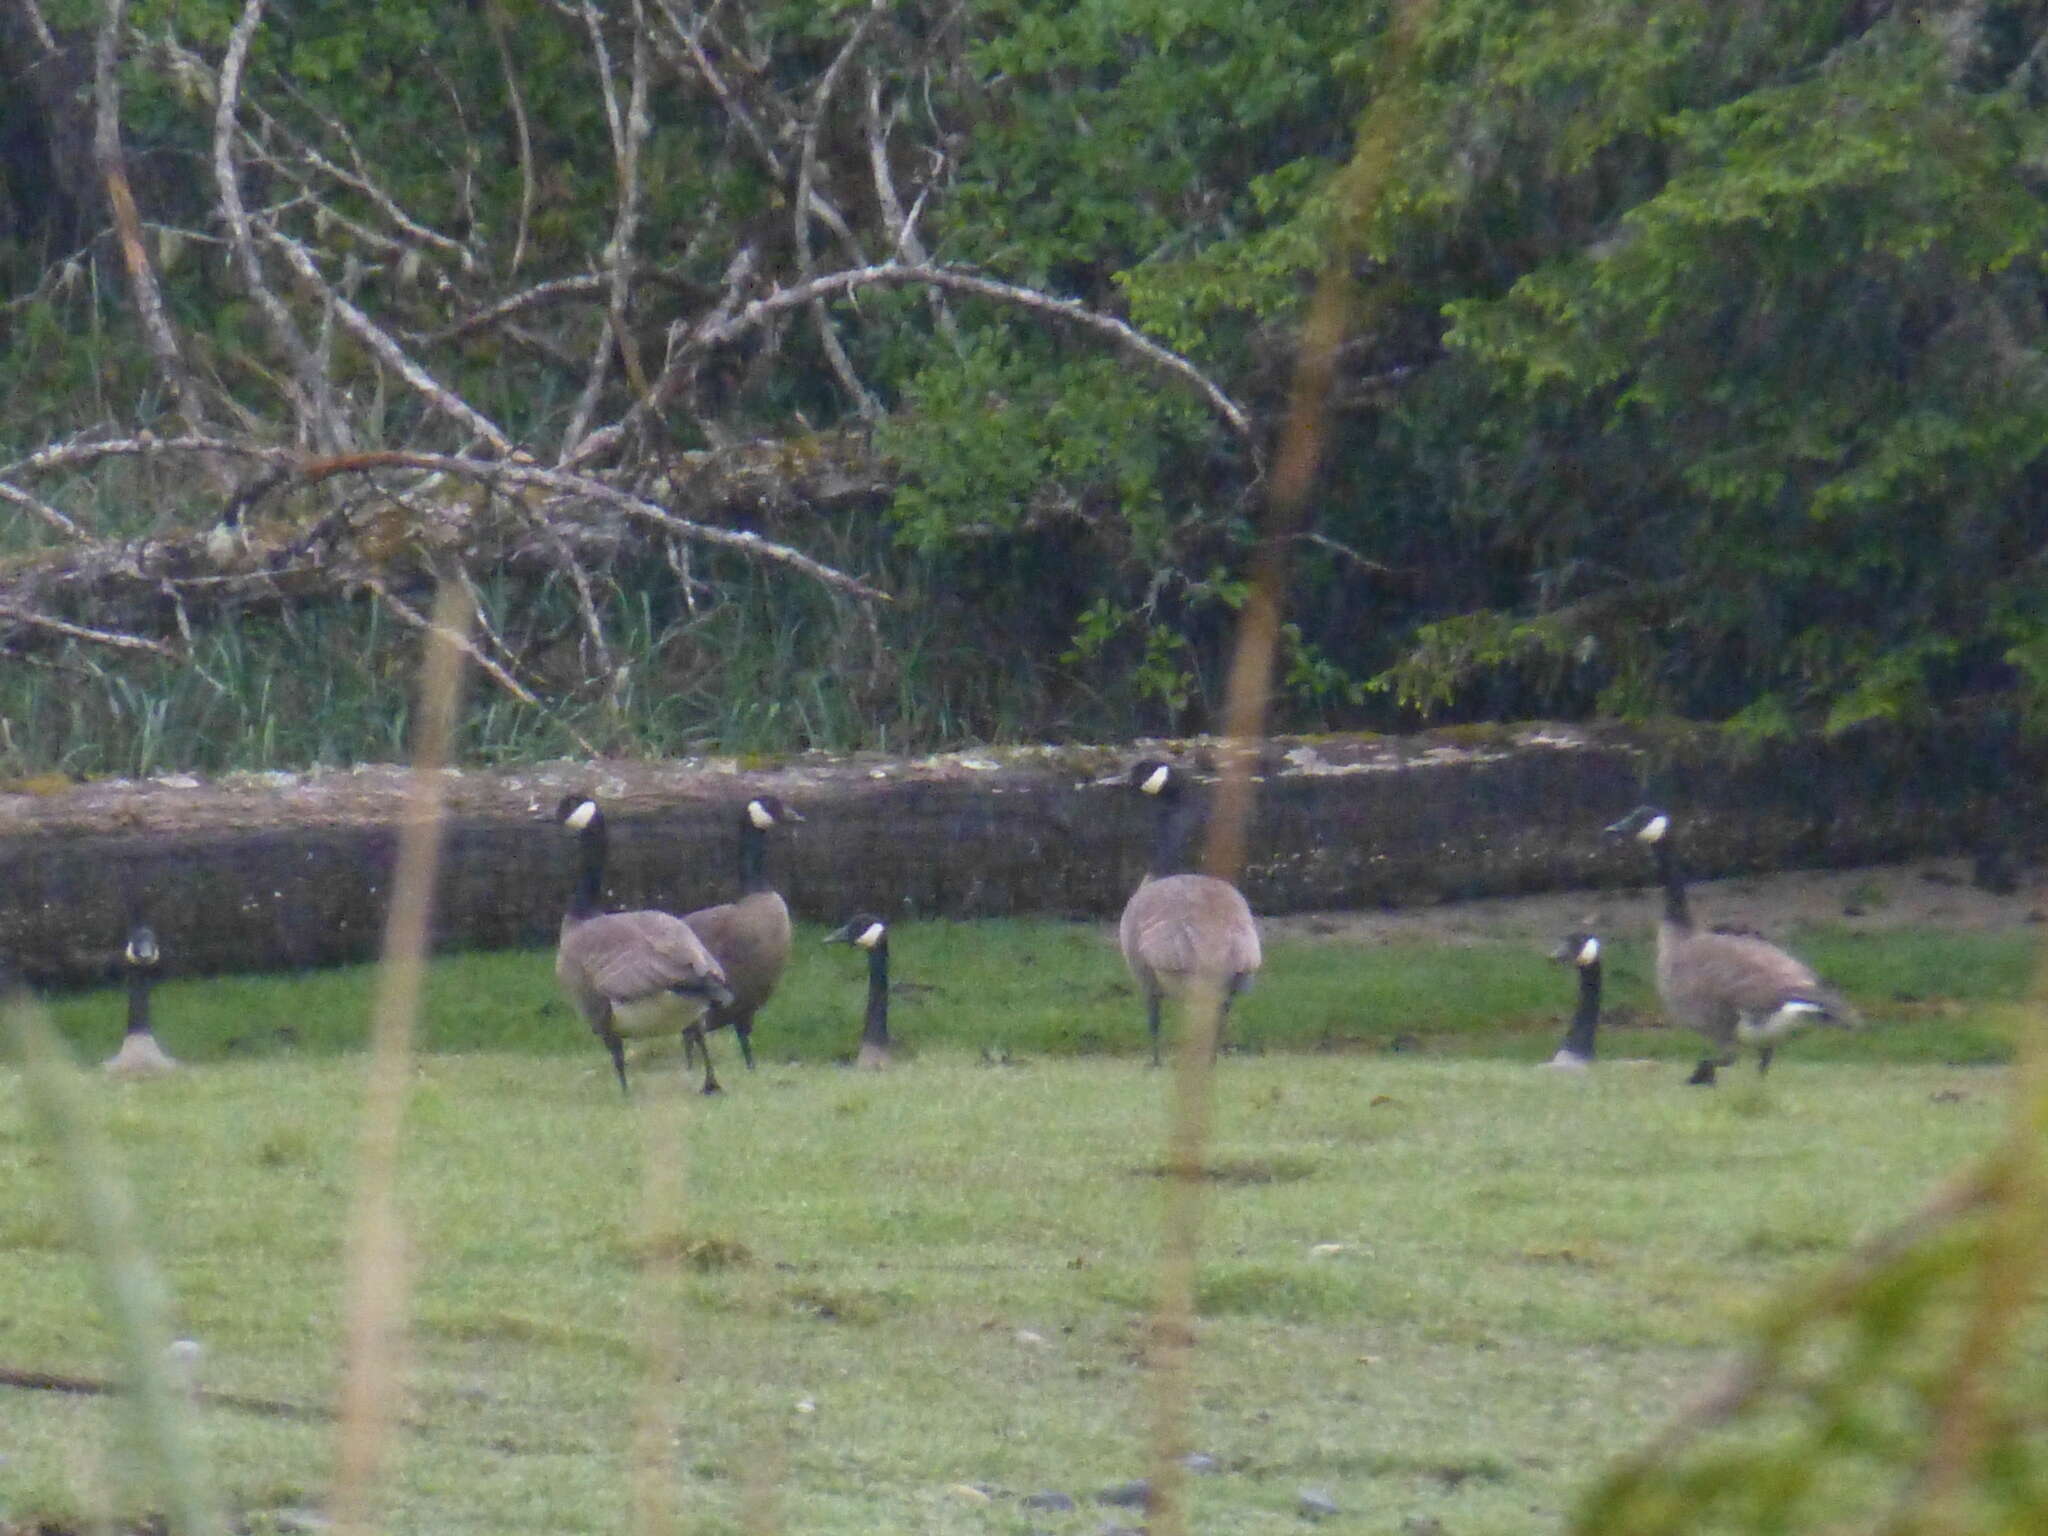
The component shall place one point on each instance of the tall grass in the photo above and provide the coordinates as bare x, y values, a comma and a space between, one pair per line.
766, 665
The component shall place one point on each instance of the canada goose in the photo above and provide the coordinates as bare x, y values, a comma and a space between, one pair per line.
140, 1055
1576, 1053
749, 938
871, 934
1732, 988
1181, 930
628, 973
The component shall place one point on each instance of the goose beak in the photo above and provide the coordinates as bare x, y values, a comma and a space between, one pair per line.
841, 935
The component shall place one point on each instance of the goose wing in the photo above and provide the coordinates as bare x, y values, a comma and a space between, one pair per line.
632, 955
1755, 977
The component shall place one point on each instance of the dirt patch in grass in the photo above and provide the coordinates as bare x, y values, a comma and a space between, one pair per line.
1933, 894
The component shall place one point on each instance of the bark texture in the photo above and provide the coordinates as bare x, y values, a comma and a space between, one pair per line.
276, 871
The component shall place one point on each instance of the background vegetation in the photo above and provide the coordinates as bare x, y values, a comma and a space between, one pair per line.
1698, 366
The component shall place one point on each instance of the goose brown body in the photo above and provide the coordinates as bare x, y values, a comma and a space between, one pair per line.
750, 938
1732, 987
1178, 930
629, 974
1183, 935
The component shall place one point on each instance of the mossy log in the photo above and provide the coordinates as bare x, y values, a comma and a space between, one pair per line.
277, 871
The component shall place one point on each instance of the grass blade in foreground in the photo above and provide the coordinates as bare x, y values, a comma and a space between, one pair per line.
375, 1277
1901, 1393
131, 1291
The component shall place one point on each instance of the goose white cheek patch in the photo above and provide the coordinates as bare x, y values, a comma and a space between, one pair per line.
1654, 829
581, 817
871, 935
1589, 951
1156, 780
760, 815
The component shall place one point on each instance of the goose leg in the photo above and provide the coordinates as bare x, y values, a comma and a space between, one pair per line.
704, 1045
1152, 1021
1702, 1075
744, 1028
617, 1047
1763, 1059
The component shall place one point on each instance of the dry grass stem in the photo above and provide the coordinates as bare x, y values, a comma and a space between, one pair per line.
662, 1185
132, 1296
375, 1278
1247, 696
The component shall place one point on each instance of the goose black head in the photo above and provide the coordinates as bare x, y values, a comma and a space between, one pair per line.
577, 812
141, 953
1580, 949
1646, 824
765, 811
865, 930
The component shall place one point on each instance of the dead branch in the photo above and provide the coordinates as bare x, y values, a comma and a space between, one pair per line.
38, 508
628, 130
150, 313
692, 41
716, 329
357, 178
379, 341
864, 403
494, 18
45, 38
70, 631
583, 488
307, 389
412, 617
904, 243
582, 285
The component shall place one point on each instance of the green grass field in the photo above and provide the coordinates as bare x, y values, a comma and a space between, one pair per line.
1435, 1282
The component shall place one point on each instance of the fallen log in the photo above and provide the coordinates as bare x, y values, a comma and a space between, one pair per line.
282, 871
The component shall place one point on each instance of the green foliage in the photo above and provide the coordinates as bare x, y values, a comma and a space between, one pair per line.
1782, 363
1697, 366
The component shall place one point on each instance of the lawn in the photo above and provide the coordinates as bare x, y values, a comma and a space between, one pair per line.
1435, 1283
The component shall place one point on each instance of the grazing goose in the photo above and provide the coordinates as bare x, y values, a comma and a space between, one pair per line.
1181, 930
1729, 986
1576, 1053
628, 973
871, 934
140, 1055
749, 938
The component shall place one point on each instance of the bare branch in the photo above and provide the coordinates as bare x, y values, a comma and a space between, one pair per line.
584, 488
494, 18
628, 129
412, 616
583, 285
692, 40
41, 510
719, 328
373, 336
360, 180
150, 313
119, 642
45, 38
309, 391
904, 243
864, 403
